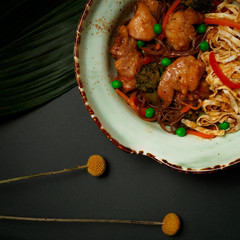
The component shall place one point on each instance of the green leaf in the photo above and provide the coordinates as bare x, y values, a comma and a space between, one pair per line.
36, 53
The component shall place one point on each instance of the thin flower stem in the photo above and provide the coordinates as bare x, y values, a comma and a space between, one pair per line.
80, 220
42, 174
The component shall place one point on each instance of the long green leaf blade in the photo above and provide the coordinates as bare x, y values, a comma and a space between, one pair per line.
36, 52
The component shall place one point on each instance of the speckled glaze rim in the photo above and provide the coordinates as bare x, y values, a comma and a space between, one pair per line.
96, 120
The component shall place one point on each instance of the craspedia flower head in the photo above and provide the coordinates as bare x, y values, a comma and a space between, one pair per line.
96, 165
171, 224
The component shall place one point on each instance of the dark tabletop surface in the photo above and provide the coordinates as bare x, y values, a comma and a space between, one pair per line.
61, 134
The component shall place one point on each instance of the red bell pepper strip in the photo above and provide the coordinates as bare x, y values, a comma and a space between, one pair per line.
218, 71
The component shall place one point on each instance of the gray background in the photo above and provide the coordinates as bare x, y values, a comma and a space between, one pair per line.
61, 134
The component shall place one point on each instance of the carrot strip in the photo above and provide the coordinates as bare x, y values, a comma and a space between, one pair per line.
199, 134
158, 46
124, 96
140, 111
190, 106
222, 22
185, 109
169, 12
165, 21
132, 101
160, 37
190, 97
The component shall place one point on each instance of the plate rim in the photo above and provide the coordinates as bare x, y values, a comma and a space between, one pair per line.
178, 168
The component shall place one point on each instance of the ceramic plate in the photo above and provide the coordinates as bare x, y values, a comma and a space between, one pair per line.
94, 71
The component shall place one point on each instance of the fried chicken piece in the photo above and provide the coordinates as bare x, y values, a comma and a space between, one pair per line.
183, 75
154, 7
141, 25
127, 56
180, 30
123, 44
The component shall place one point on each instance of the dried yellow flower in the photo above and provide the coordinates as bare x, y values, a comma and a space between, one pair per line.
171, 224
96, 165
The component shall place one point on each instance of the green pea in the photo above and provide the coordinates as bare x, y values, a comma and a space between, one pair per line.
204, 46
166, 62
140, 43
181, 132
116, 84
149, 113
224, 126
157, 28
201, 29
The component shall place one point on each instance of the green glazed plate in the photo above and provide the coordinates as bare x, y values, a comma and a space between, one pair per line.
94, 70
